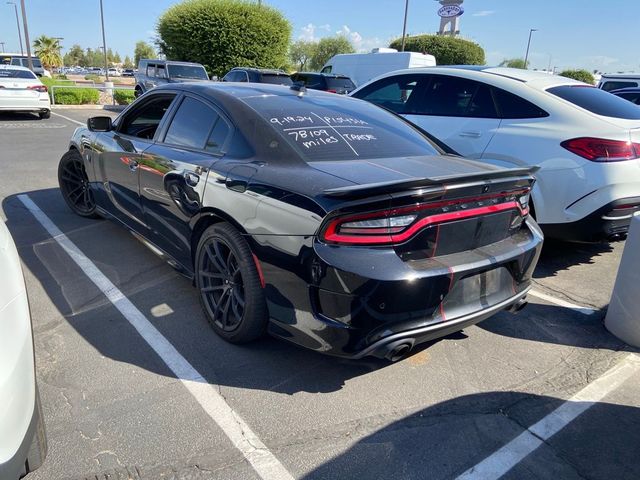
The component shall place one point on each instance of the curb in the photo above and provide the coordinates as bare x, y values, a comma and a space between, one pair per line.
113, 108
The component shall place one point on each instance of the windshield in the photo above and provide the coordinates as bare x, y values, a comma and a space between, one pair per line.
597, 101
15, 73
187, 71
338, 129
276, 79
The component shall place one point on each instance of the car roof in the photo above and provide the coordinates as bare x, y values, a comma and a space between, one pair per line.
273, 71
327, 75
13, 67
622, 76
533, 78
173, 62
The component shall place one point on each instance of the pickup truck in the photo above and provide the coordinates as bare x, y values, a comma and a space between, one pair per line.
152, 73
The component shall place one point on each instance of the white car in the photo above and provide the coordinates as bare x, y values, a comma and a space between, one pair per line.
585, 140
22, 91
22, 439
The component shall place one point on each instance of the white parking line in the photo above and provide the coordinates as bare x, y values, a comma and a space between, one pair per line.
562, 303
70, 119
243, 438
503, 460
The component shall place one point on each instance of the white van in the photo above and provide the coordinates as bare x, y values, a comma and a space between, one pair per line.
362, 67
615, 81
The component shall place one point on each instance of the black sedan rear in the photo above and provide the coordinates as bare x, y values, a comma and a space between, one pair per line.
325, 220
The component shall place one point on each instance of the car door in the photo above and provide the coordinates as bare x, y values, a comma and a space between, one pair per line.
117, 156
173, 173
458, 111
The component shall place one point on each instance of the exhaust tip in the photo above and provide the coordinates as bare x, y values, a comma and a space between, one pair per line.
398, 352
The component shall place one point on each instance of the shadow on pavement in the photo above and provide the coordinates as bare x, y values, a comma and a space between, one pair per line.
446, 439
18, 116
557, 256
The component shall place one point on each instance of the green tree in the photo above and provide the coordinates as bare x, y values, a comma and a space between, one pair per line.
447, 50
301, 53
580, 75
514, 63
127, 62
327, 48
222, 34
75, 56
48, 50
143, 50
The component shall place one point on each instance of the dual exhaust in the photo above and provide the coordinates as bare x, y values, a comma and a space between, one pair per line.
396, 351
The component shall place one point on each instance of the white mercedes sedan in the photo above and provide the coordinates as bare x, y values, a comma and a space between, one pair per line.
585, 140
22, 439
22, 91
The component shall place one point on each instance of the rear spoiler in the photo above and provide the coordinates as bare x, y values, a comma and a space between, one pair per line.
372, 189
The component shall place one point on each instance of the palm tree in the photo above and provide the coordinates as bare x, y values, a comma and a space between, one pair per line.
48, 50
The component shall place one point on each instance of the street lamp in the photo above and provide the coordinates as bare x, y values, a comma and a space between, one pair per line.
15, 7
104, 45
404, 25
526, 57
2, 43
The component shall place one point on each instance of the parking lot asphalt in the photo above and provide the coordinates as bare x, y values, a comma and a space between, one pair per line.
114, 409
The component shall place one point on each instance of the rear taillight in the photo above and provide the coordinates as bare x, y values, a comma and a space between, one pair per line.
390, 227
602, 150
38, 88
332, 91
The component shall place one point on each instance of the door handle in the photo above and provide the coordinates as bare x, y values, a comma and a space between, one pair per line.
133, 165
471, 134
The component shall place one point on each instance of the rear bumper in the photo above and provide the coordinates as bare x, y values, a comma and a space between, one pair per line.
25, 104
609, 222
16, 466
375, 300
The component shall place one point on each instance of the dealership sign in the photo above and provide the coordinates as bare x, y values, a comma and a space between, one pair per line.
449, 11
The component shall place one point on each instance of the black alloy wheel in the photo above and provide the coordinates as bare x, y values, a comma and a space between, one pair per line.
229, 285
74, 185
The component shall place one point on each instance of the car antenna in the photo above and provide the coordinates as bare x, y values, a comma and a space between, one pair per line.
300, 88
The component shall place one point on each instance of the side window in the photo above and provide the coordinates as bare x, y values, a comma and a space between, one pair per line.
632, 97
327, 69
143, 122
513, 106
242, 76
16, 61
219, 134
614, 85
151, 70
458, 97
399, 94
161, 71
191, 125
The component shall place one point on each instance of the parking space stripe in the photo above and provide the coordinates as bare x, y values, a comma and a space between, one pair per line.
266, 465
503, 460
70, 119
562, 303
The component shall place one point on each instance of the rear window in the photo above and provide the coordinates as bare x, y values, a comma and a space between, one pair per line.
15, 73
276, 79
341, 129
340, 83
597, 101
607, 86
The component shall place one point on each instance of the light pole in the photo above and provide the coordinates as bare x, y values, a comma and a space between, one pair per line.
15, 7
26, 35
2, 43
526, 57
404, 25
104, 45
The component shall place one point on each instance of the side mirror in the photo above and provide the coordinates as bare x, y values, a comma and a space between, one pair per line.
99, 124
214, 78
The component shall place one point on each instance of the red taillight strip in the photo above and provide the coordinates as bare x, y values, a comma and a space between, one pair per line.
331, 234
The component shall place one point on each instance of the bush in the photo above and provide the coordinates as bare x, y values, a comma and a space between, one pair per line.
123, 97
93, 77
76, 96
580, 75
447, 50
222, 34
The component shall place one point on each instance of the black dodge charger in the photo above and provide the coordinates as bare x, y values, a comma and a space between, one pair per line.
324, 220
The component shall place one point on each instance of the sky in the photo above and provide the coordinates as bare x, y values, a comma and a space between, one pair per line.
587, 34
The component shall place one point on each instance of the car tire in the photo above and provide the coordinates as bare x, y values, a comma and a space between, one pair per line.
229, 285
44, 115
38, 448
74, 185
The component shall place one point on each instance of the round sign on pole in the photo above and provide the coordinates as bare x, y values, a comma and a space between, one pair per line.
449, 11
